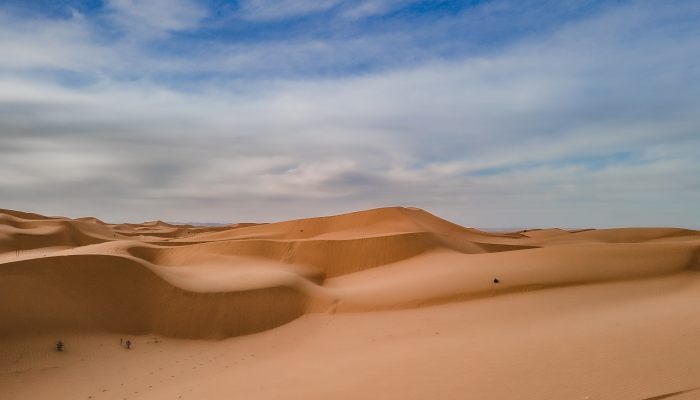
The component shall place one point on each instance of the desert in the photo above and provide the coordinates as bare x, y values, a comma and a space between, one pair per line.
383, 303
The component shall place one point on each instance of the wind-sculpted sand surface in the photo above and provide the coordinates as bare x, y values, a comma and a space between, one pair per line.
391, 303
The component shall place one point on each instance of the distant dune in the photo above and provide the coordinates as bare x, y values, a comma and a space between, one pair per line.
384, 303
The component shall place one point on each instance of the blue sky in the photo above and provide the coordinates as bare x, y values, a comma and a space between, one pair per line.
489, 113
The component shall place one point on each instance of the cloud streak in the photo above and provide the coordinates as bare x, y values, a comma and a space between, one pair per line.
591, 123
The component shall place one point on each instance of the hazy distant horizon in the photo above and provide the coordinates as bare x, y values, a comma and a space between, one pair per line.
495, 229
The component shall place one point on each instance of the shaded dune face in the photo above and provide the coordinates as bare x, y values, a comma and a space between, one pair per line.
85, 275
99, 293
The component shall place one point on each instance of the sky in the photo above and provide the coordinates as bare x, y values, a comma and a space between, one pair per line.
501, 113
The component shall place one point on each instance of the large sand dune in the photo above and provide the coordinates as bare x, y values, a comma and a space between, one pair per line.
384, 303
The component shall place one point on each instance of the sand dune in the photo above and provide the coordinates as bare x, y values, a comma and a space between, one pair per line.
91, 281
101, 293
370, 223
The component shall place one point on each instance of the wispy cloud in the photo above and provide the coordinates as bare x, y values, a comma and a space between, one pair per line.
593, 121
155, 17
373, 8
281, 9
